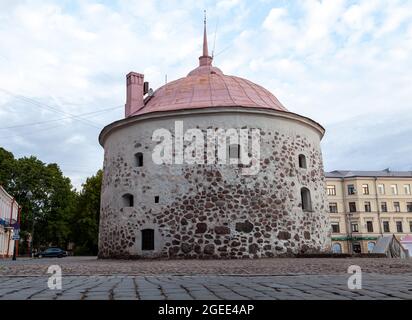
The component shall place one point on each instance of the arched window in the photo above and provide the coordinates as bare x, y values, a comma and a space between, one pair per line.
302, 161
148, 239
337, 248
128, 200
138, 159
306, 200
371, 245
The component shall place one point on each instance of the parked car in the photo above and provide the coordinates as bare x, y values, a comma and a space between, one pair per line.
51, 253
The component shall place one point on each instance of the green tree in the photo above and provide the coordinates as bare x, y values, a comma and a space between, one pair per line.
7, 163
85, 221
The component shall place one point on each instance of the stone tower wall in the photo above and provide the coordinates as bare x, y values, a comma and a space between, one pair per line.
212, 211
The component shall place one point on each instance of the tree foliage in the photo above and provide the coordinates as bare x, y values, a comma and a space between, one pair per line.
61, 215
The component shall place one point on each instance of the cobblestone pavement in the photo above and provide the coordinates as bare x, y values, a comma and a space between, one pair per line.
276, 266
207, 287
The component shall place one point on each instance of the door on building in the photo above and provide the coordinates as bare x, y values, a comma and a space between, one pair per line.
356, 247
148, 239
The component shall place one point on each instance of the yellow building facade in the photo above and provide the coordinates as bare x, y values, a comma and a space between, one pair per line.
364, 205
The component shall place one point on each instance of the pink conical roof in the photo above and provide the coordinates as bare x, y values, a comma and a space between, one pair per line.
207, 86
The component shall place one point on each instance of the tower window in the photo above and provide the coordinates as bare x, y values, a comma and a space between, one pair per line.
302, 161
148, 239
139, 159
234, 151
156, 198
128, 200
306, 200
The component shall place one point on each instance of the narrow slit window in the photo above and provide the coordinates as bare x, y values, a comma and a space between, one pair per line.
139, 159
156, 199
302, 161
306, 200
234, 151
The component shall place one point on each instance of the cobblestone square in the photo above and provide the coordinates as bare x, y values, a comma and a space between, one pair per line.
85, 278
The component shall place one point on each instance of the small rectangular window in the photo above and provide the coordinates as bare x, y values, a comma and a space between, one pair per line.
138, 159
399, 227
355, 227
386, 226
367, 206
333, 207
156, 198
409, 206
384, 207
331, 190
352, 207
407, 188
351, 189
335, 228
410, 226
394, 189
381, 188
369, 226
365, 189
234, 151
397, 206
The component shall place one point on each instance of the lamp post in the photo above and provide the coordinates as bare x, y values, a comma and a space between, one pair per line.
29, 195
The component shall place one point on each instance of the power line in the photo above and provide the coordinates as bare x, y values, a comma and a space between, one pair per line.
59, 119
47, 107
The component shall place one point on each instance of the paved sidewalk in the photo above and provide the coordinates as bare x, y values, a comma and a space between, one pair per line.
157, 287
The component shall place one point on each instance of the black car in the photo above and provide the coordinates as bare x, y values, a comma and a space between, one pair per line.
51, 253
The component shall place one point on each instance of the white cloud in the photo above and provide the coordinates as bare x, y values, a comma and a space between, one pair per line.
334, 61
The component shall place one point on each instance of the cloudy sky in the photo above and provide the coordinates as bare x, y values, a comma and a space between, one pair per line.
346, 64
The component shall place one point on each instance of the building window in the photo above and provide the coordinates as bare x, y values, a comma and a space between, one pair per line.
356, 247
355, 227
333, 207
306, 200
138, 157
384, 207
351, 189
156, 198
394, 189
410, 226
337, 248
352, 207
397, 206
381, 188
369, 226
302, 161
409, 206
331, 190
407, 188
399, 227
365, 189
367, 206
127, 200
148, 239
371, 245
386, 226
335, 228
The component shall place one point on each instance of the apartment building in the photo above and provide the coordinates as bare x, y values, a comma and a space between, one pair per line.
363, 205
9, 210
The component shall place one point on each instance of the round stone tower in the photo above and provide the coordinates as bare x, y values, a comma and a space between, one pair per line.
273, 205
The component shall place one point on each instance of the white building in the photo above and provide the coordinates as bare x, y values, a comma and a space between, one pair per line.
9, 210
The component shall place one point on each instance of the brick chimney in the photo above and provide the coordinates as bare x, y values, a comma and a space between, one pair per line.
134, 93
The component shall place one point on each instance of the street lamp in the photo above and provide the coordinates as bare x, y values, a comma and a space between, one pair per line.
29, 195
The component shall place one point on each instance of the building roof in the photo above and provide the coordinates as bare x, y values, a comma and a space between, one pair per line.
356, 173
207, 86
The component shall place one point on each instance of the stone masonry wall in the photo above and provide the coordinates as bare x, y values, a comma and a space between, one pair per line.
212, 211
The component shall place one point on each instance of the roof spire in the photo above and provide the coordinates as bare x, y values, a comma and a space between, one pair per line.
205, 59
205, 49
